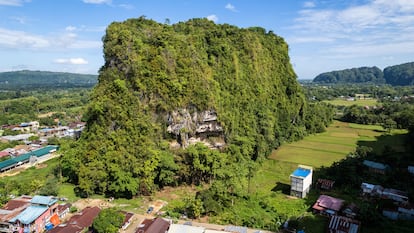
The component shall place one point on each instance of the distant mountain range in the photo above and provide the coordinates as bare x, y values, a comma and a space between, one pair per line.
398, 75
26, 79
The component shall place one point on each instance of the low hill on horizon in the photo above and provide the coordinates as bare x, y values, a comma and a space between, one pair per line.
27, 79
397, 75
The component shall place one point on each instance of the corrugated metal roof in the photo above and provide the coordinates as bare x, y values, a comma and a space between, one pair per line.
375, 165
43, 200
178, 228
30, 214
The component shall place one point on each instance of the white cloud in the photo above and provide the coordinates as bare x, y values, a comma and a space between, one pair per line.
71, 61
98, 1
11, 2
126, 6
231, 7
20, 39
70, 28
309, 4
357, 34
213, 18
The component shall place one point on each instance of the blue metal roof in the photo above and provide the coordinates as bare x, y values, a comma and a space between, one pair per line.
43, 200
375, 165
30, 214
301, 172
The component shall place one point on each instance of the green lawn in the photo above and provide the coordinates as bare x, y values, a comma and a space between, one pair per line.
359, 102
325, 148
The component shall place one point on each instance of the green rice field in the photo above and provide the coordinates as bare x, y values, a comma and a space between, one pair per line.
325, 148
359, 102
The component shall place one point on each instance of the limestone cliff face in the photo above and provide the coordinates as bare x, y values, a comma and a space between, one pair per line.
188, 124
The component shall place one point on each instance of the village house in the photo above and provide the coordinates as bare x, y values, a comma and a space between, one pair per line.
156, 225
127, 219
79, 222
300, 181
35, 217
10, 210
371, 189
341, 224
327, 205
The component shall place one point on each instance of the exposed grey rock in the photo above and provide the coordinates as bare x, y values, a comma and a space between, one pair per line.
186, 123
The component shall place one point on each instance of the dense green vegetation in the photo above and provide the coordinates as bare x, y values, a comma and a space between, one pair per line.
398, 75
67, 104
27, 80
152, 69
354, 75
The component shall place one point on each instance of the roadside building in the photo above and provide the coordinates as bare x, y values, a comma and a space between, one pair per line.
300, 181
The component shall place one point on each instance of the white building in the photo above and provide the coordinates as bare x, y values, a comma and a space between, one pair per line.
300, 181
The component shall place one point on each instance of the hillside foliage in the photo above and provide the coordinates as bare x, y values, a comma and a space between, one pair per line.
400, 75
151, 69
354, 75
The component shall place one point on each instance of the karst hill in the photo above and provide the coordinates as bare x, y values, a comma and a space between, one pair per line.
164, 87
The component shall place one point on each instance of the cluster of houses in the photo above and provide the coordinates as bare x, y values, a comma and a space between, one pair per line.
28, 214
342, 216
340, 219
29, 129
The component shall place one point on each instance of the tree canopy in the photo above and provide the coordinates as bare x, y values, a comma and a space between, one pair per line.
354, 75
400, 75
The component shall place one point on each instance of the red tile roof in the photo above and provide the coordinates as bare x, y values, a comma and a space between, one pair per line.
78, 222
325, 202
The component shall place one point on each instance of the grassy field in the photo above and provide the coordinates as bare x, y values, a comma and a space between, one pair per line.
325, 148
359, 102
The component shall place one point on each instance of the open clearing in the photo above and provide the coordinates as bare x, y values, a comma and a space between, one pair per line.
325, 148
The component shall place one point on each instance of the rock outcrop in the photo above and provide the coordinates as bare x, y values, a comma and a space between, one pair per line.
189, 123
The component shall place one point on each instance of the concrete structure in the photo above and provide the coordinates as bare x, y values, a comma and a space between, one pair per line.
300, 181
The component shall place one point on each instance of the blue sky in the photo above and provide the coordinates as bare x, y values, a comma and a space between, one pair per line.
323, 35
